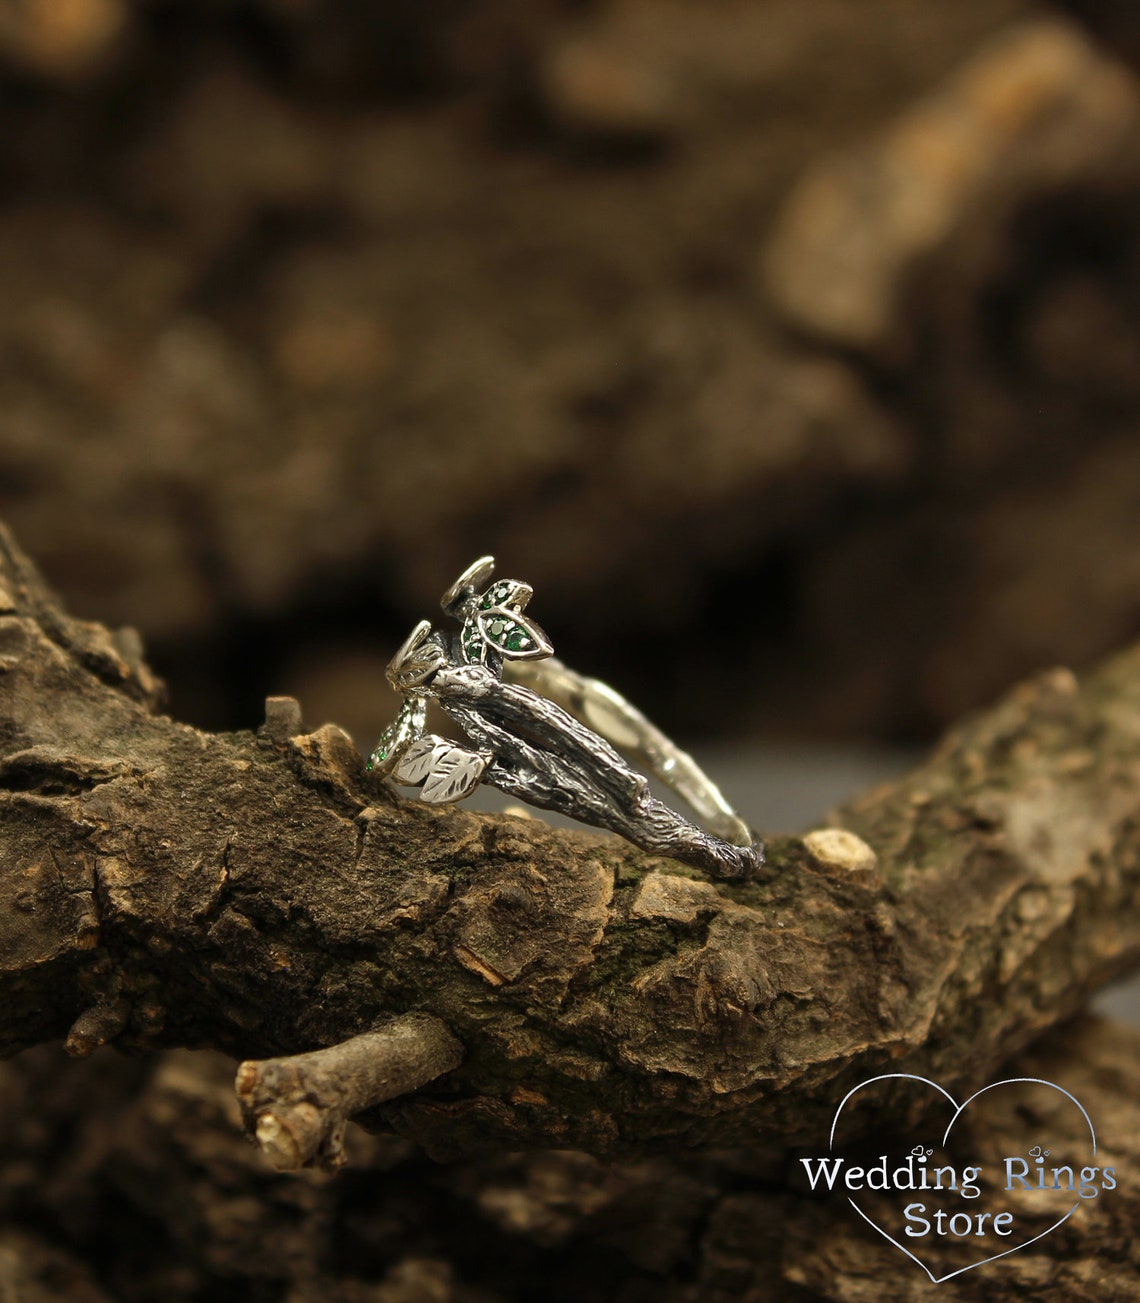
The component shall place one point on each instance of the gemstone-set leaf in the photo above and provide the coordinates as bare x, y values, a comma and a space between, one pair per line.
474, 646
401, 733
496, 621
509, 594
513, 635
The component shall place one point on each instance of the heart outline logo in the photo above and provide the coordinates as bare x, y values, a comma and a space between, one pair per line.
959, 1109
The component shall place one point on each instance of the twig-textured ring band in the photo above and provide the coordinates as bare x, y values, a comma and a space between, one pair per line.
543, 733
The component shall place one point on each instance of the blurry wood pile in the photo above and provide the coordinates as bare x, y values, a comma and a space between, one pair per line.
825, 311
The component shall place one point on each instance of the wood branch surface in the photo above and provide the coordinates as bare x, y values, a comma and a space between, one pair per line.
259, 894
133, 1174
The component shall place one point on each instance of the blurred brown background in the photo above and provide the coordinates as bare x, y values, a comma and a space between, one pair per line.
790, 348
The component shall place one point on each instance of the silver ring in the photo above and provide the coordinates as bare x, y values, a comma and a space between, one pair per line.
540, 732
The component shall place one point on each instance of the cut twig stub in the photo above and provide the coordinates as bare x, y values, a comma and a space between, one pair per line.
296, 1108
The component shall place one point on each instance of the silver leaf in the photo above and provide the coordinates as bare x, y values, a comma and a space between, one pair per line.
419, 759
417, 660
468, 584
455, 774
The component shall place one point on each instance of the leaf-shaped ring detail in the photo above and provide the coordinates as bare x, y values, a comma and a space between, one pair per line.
406, 728
513, 635
509, 594
417, 660
448, 771
468, 584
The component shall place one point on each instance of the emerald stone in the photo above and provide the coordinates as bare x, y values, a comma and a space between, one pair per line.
497, 627
517, 640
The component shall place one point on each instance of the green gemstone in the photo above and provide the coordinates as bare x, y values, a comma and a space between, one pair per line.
487, 603
497, 627
517, 640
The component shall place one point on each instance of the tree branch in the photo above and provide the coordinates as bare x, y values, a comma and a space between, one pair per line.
152, 1181
298, 1107
262, 895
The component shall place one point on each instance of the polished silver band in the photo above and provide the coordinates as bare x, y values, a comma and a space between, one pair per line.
545, 734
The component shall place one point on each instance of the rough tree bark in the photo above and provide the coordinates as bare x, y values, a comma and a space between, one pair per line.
129, 1176
261, 895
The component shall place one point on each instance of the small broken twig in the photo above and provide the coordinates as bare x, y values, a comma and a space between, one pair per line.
296, 1107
